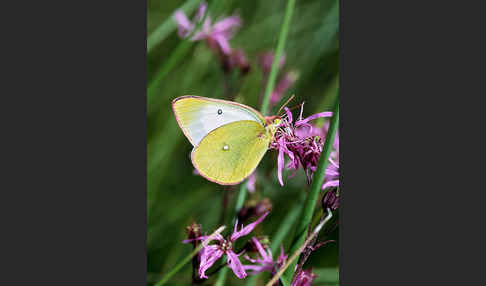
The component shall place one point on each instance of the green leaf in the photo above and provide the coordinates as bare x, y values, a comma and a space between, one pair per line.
284, 281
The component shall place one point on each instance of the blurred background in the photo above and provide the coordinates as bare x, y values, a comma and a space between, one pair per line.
176, 196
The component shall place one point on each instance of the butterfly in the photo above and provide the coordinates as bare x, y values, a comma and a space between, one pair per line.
229, 138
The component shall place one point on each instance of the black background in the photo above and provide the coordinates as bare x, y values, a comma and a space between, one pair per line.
74, 143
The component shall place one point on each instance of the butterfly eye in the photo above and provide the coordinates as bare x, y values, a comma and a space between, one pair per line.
220, 111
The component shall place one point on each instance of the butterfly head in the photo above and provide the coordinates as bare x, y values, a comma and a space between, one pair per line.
273, 123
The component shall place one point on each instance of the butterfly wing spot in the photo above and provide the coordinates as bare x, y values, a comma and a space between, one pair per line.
230, 153
220, 111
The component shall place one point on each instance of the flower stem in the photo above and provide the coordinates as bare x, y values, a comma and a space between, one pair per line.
169, 25
315, 188
240, 200
189, 257
221, 277
278, 53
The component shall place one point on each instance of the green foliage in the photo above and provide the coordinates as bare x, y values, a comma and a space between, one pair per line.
175, 196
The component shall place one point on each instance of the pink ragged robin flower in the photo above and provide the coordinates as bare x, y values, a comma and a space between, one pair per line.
216, 34
296, 140
264, 262
304, 278
332, 171
224, 246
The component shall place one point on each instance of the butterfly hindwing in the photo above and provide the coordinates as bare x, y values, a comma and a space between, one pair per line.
197, 116
230, 153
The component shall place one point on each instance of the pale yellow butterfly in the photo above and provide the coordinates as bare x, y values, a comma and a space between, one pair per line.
229, 138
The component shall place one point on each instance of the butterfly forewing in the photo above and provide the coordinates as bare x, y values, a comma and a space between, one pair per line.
197, 116
231, 152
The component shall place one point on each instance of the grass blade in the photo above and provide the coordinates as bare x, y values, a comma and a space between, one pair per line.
278, 53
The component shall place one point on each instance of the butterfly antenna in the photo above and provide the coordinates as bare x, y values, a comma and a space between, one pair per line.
288, 100
294, 107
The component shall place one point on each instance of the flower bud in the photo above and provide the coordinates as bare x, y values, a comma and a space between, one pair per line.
330, 200
251, 247
193, 231
254, 209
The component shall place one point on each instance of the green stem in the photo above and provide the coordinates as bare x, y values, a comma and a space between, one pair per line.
176, 56
221, 277
240, 200
315, 188
278, 53
169, 25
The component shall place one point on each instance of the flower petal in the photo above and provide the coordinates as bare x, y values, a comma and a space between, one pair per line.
312, 117
194, 239
227, 26
200, 12
260, 248
250, 259
255, 269
247, 229
183, 24
235, 264
250, 185
329, 184
280, 164
223, 43
289, 114
208, 255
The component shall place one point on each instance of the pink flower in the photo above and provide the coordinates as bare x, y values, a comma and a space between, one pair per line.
217, 35
265, 260
304, 278
237, 58
211, 253
298, 142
